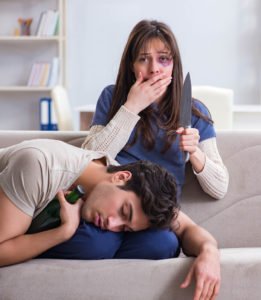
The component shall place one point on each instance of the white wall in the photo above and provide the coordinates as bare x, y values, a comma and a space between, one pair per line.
219, 42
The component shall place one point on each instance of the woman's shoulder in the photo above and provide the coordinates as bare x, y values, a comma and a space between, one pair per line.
200, 106
105, 97
205, 126
108, 90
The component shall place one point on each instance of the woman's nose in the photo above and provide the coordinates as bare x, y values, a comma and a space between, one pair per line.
154, 67
115, 224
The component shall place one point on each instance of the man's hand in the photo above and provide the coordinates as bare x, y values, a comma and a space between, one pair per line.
196, 241
69, 214
206, 271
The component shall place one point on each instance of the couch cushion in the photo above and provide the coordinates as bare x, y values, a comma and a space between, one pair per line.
43, 279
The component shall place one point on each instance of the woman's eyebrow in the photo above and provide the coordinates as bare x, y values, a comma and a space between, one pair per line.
160, 52
164, 52
145, 53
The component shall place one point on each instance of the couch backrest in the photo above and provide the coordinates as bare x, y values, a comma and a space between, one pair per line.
8, 138
235, 221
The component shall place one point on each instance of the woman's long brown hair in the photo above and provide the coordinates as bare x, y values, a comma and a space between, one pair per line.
168, 109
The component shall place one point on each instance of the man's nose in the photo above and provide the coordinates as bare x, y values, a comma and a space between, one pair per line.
115, 224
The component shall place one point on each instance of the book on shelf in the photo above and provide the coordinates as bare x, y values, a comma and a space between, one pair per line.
54, 72
39, 74
32, 76
48, 23
44, 73
47, 115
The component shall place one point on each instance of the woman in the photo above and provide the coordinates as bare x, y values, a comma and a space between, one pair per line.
138, 118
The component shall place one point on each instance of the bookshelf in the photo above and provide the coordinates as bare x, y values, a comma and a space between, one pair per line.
18, 53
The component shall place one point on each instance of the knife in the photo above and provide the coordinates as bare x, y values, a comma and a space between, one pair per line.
185, 108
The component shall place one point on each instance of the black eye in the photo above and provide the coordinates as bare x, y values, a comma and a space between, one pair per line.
164, 59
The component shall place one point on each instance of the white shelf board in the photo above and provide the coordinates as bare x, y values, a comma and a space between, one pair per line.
86, 108
25, 88
254, 108
30, 38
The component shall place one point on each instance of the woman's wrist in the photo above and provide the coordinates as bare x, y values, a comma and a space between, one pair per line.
198, 160
132, 108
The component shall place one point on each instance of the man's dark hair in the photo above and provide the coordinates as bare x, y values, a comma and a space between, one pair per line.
156, 188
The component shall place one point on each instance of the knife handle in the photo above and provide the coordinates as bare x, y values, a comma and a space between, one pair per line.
185, 156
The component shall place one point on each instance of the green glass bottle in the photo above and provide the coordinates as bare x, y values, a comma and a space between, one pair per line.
49, 217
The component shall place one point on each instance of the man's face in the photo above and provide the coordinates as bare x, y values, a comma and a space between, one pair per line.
114, 209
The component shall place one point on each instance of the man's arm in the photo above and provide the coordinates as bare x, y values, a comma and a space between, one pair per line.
26, 246
196, 241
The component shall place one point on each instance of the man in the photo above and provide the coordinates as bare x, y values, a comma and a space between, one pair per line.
127, 198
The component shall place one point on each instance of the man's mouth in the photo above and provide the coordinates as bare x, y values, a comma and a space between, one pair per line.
98, 221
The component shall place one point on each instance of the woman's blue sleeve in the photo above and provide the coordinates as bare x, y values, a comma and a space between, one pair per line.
103, 106
205, 128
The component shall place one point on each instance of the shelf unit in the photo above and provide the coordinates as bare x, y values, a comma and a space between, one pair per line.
247, 117
244, 116
17, 55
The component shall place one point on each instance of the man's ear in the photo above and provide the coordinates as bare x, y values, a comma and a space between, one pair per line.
121, 177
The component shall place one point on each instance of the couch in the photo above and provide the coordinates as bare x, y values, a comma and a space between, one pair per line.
235, 221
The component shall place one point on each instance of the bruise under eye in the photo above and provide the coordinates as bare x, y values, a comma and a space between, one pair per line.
165, 60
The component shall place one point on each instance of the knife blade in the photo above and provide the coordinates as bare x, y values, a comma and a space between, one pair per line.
185, 108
